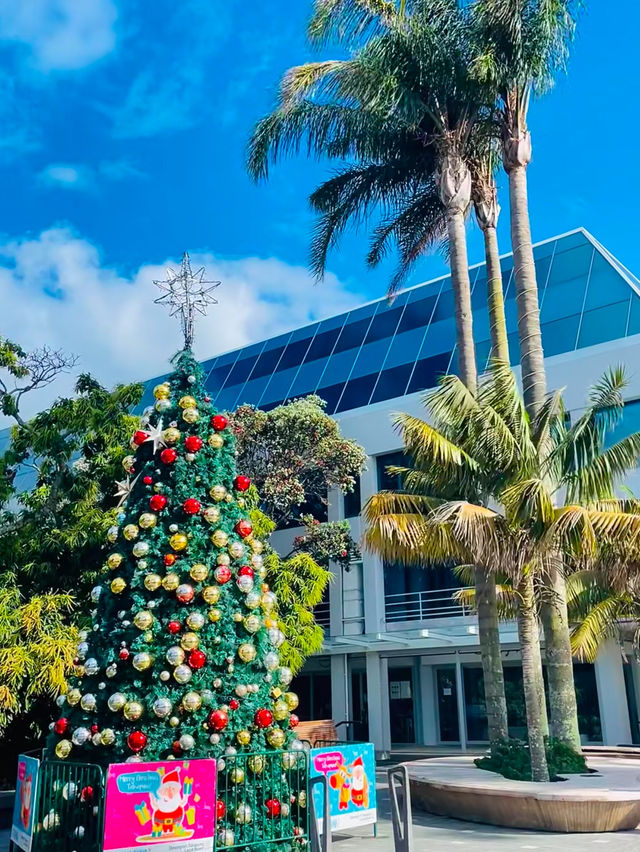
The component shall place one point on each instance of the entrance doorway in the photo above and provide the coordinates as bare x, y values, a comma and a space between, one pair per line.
447, 690
401, 705
360, 715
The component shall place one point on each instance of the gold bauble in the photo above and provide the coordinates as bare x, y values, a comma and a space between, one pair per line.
218, 492
211, 514
143, 619
223, 559
128, 463
252, 623
133, 710
178, 541
253, 600
175, 655
118, 585
187, 402
243, 737
73, 697
237, 775
191, 702
268, 601
112, 534
152, 582
189, 641
130, 532
256, 764
142, 661
256, 545
215, 441
195, 620
211, 594
236, 549
63, 749
215, 615
292, 700
190, 415
171, 435
161, 391
147, 520
140, 548
280, 710
199, 572
247, 652
147, 636
219, 538
170, 582
276, 737
114, 559
108, 737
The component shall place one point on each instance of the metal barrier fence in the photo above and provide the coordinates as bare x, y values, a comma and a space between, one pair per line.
70, 803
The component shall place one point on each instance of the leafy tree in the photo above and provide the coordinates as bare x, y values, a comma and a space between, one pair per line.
509, 469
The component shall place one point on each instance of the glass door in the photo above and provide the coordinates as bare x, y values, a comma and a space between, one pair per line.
401, 708
447, 704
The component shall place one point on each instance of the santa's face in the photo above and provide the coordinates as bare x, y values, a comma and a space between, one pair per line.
357, 777
169, 794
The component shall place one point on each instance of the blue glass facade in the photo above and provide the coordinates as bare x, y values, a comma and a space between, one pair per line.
380, 351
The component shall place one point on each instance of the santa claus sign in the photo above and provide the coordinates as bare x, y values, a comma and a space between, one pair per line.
351, 772
169, 805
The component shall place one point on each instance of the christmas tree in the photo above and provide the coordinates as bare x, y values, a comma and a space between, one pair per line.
182, 658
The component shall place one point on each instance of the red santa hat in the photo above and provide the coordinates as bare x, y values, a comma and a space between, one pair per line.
358, 762
172, 777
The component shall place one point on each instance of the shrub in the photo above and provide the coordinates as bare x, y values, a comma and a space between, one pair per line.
510, 758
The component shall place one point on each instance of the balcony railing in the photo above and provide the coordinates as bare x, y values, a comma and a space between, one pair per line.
321, 614
420, 606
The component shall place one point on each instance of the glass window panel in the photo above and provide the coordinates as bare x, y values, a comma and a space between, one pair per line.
357, 392
603, 324
542, 251
323, 344
227, 397
560, 335
445, 307
228, 358
294, 353
278, 387
267, 362
353, 501
404, 348
338, 367
481, 326
388, 481
251, 392
634, 319
384, 323
428, 371
307, 378
276, 342
353, 333
441, 337
331, 395
241, 370
479, 292
511, 314
514, 348
483, 351
307, 332
392, 382
371, 358
629, 424
570, 264
217, 377
417, 314
606, 285
208, 365
563, 300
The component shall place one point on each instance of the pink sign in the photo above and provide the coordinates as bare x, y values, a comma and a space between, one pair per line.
169, 805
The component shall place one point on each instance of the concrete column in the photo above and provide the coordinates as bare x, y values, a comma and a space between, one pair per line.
378, 702
612, 696
428, 702
340, 690
372, 568
336, 597
462, 716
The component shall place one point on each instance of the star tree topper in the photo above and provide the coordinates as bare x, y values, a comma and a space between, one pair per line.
186, 292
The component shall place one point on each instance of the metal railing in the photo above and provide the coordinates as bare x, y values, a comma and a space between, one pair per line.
420, 606
322, 615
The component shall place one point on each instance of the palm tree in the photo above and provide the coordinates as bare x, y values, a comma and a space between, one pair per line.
405, 109
508, 468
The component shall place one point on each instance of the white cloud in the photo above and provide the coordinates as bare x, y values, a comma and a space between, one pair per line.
69, 176
60, 35
109, 320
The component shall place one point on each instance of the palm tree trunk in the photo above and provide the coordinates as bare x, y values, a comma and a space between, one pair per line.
563, 709
532, 679
495, 296
489, 638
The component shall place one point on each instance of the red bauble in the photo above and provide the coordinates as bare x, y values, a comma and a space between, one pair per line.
169, 558
148, 480
174, 627
136, 741
197, 659
94, 729
246, 571
86, 794
293, 721
61, 726
234, 704
243, 528
139, 437
176, 748
157, 502
168, 456
263, 718
193, 443
242, 483
185, 593
221, 809
123, 654
273, 807
218, 720
219, 422
222, 574
191, 506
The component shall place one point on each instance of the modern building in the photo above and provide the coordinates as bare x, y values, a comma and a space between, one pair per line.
401, 656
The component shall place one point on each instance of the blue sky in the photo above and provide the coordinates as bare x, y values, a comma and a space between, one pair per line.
124, 126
